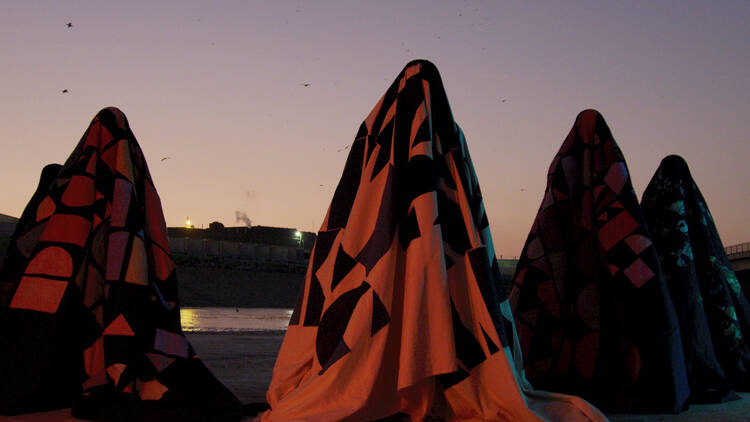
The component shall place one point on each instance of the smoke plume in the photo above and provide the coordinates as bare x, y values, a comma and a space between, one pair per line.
242, 217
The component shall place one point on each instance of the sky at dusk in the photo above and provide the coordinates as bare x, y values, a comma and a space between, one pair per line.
219, 88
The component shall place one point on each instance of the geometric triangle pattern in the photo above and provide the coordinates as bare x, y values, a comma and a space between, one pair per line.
588, 293
89, 293
713, 311
118, 327
400, 310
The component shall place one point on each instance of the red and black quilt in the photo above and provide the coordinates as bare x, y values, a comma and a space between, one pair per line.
89, 314
592, 310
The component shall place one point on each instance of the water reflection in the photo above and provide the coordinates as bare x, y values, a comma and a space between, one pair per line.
208, 320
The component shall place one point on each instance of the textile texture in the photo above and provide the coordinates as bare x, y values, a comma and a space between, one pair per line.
399, 313
713, 311
592, 310
89, 313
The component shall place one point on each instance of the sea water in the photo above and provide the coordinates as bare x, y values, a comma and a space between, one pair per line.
220, 320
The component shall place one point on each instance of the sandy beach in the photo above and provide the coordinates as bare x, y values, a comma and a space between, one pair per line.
244, 363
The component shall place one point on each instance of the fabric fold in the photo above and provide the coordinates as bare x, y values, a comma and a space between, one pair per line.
591, 306
90, 317
713, 311
399, 313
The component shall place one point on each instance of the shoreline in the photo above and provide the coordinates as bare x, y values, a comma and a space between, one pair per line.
244, 363
256, 333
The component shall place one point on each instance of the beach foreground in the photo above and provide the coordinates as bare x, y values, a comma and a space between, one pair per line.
244, 363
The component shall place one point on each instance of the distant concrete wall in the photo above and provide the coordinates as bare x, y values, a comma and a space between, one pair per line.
507, 269
262, 252
740, 261
239, 250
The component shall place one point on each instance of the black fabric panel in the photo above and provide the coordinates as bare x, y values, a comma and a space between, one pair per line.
346, 191
490, 344
408, 230
341, 350
334, 322
454, 234
344, 263
384, 140
315, 300
323, 245
448, 262
468, 349
449, 380
385, 228
423, 133
380, 317
420, 175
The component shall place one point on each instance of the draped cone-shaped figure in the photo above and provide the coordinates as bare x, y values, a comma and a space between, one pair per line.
593, 313
89, 314
19, 247
399, 313
713, 311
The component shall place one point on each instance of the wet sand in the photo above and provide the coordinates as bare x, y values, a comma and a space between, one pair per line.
244, 363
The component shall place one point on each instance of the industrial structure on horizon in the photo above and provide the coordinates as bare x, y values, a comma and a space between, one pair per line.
288, 246
256, 243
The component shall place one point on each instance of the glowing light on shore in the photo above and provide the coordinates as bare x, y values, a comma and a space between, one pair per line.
188, 224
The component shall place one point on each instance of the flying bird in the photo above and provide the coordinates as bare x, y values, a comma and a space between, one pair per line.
165, 158
305, 84
523, 189
69, 24
64, 91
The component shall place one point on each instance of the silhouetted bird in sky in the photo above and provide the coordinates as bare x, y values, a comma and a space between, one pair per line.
69, 24
305, 84
64, 91
523, 189
165, 158
503, 100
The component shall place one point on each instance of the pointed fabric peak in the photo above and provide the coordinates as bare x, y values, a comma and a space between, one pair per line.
104, 182
408, 208
597, 240
712, 309
676, 165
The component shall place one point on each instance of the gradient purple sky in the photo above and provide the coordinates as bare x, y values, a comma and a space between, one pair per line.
217, 86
